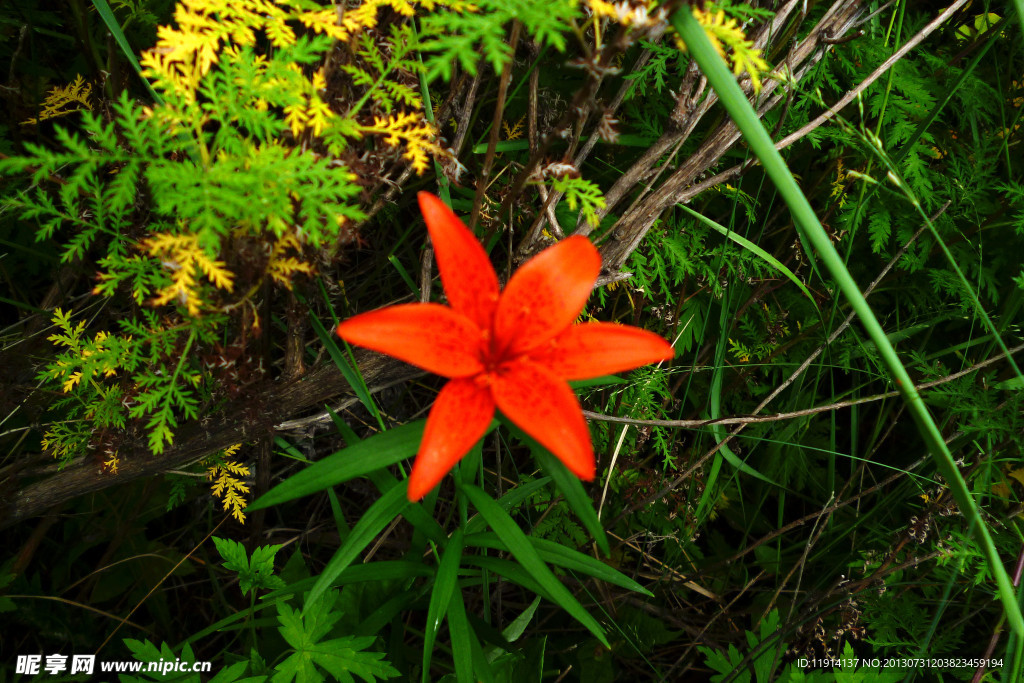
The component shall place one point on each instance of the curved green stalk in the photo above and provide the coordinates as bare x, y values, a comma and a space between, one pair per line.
102, 8
735, 102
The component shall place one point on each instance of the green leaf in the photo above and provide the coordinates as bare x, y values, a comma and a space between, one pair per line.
514, 630
557, 554
1012, 384
415, 513
510, 501
350, 373
724, 663
107, 15
510, 570
383, 480
754, 249
596, 382
146, 652
461, 635
570, 486
386, 613
355, 461
254, 573
444, 585
374, 521
519, 545
387, 570
340, 657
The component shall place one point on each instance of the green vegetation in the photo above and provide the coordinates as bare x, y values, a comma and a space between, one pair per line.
194, 193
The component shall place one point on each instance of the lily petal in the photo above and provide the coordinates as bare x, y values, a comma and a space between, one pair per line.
545, 408
460, 416
546, 295
469, 280
595, 349
429, 336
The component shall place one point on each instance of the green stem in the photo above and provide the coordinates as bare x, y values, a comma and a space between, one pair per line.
745, 118
1019, 6
184, 357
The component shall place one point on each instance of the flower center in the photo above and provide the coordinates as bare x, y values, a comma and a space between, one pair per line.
491, 355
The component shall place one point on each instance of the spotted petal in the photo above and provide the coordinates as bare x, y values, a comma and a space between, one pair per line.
466, 272
595, 349
546, 295
429, 336
460, 416
545, 408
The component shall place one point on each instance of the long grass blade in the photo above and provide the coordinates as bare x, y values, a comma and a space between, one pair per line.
746, 119
440, 598
377, 517
519, 545
570, 486
558, 554
355, 461
107, 15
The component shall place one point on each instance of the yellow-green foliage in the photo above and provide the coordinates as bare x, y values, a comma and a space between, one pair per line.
220, 35
240, 154
225, 474
186, 260
725, 33
64, 100
194, 204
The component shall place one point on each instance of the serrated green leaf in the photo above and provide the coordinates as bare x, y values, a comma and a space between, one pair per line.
341, 657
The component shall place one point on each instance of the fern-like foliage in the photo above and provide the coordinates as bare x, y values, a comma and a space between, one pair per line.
187, 205
666, 61
375, 62
226, 474
725, 32
583, 194
463, 31
63, 100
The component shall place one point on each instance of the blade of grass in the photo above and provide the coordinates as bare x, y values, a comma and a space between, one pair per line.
510, 501
290, 451
626, 140
461, 633
359, 460
510, 570
736, 104
518, 544
570, 486
413, 287
754, 249
374, 521
385, 570
557, 554
384, 480
386, 613
441, 596
517, 628
1019, 6
575, 495
107, 15
350, 371
716, 410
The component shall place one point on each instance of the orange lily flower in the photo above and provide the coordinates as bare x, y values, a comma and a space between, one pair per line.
511, 350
